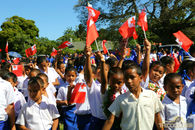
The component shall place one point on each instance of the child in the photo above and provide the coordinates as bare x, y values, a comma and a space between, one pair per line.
175, 106
37, 114
139, 107
50, 72
19, 99
63, 98
152, 73
6, 105
61, 72
50, 91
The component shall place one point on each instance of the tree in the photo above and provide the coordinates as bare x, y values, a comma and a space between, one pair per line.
19, 32
164, 16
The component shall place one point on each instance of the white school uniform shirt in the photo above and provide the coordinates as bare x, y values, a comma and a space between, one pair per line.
145, 84
21, 81
191, 122
63, 92
38, 116
51, 73
25, 88
51, 90
61, 81
84, 108
19, 101
161, 81
95, 100
172, 111
186, 86
190, 91
137, 113
6, 98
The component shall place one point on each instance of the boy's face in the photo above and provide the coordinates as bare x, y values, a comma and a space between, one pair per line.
132, 79
156, 73
174, 88
116, 81
35, 95
43, 66
70, 77
170, 67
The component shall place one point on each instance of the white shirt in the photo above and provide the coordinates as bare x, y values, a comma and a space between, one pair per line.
51, 73
38, 116
61, 81
188, 83
80, 78
190, 91
172, 111
6, 98
191, 122
51, 90
95, 100
137, 114
21, 81
19, 101
25, 87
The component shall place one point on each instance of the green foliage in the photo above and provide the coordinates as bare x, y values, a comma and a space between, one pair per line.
19, 32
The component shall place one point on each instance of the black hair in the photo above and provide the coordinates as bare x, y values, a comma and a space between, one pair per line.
3, 72
70, 68
43, 75
36, 83
157, 63
186, 66
192, 49
112, 62
167, 60
80, 63
131, 65
171, 76
114, 70
37, 71
59, 63
10, 75
41, 59
5, 66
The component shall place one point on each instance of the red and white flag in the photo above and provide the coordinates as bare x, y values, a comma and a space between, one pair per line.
92, 33
104, 47
183, 40
6, 47
79, 93
128, 28
16, 60
65, 44
54, 52
177, 64
17, 70
142, 21
31, 51
135, 36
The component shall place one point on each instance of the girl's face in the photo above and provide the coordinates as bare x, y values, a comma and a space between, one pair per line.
174, 88
170, 67
156, 73
62, 68
70, 76
116, 81
43, 66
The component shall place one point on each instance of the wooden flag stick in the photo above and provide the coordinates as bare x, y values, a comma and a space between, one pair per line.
144, 32
97, 45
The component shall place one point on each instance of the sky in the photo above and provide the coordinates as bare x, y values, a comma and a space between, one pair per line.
52, 17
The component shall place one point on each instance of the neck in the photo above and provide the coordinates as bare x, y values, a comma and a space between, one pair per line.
175, 99
136, 92
39, 100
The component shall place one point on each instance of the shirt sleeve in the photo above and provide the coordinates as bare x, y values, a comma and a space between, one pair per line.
162, 114
62, 94
21, 118
54, 111
158, 106
115, 108
10, 94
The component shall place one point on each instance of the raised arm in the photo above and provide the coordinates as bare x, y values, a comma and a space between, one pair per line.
104, 80
138, 51
146, 62
88, 70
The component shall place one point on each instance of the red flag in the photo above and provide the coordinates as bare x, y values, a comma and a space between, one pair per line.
65, 44
183, 40
135, 36
94, 14
128, 28
104, 47
79, 93
143, 21
92, 33
177, 64
16, 60
6, 47
128, 51
31, 51
0, 50
54, 52
17, 70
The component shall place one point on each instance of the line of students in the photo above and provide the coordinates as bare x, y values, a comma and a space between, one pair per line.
118, 94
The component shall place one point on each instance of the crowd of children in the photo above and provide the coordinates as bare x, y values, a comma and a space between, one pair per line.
94, 91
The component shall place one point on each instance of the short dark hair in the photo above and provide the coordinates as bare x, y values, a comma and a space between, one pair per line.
37, 71
114, 70
132, 65
171, 76
157, 63
10, 75
3, 72
127, 63
41, 59
43, 75
71, 68
167, 60
36, 83
192, 49
112, 61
